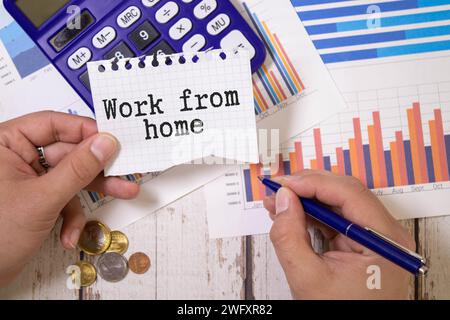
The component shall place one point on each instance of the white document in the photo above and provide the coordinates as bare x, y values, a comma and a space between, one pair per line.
416, 73
195, 106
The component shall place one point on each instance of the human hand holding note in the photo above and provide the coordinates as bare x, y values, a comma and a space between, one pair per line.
176, 109
31, 201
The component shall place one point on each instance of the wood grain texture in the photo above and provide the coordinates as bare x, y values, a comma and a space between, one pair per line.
44, 278
268, 279
189, 264
434, 244
185, 263
410, 225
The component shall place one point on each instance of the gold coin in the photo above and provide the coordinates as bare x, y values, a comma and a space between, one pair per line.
119, 242
95, 238
139, 263
88, 273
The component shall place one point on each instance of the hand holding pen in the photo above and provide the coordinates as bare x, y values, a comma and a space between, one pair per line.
348, 269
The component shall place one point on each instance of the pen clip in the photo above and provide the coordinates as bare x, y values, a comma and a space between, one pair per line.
399, 246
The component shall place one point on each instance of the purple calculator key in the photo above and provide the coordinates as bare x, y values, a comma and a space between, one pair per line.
121, 51
167, 12
84, 78
205, 8
144, 35
161, 48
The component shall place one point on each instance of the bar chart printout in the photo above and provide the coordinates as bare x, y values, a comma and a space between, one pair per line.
400, 163
277, 81
345, 31
393, 135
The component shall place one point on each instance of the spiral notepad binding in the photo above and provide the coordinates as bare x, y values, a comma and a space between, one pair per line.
157, 60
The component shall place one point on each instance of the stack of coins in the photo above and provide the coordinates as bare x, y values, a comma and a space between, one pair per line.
110, 247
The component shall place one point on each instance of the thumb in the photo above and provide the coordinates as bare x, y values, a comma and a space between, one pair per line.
292, 241
79, 168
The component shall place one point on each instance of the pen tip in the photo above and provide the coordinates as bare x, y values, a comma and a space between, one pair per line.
261, 178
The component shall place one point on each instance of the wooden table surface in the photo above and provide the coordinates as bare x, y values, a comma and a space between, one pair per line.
186, 264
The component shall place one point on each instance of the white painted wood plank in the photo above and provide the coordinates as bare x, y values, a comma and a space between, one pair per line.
189, 264
44, 277
269, 281
410, 226
434, 235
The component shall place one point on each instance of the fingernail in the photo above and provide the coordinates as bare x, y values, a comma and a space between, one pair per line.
282, 200
103, 147
74, 237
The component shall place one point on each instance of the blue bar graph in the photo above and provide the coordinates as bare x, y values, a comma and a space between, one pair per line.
384, 22
378, 42
248, 184
287, 168
314, 2
382, 37
386, 52
389, 171
367, 159
363, 9
409, 164
430, 167
347, 162
327, 163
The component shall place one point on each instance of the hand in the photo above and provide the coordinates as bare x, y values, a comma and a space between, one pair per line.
342, 272
31, 200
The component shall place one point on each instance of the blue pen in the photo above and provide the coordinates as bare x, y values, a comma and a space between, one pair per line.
385, 247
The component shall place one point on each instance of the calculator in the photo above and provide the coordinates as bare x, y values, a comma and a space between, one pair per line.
74, 32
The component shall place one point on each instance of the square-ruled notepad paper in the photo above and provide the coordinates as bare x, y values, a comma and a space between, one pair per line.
169, 110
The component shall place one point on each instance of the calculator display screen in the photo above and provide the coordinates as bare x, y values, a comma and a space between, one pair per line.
39, 11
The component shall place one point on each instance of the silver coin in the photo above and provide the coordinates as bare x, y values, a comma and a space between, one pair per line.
112, 267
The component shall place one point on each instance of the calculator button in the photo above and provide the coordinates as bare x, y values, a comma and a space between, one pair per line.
84, 78
127, 18
235, 40
194, 44
187, 1
218, 24
144, 35
104, 37
79, 58
180, 29
205, 8
150, 3
161, 48
120, 51
167, 12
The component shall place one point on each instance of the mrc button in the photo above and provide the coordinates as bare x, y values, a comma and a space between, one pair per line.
128, 17
79, 58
